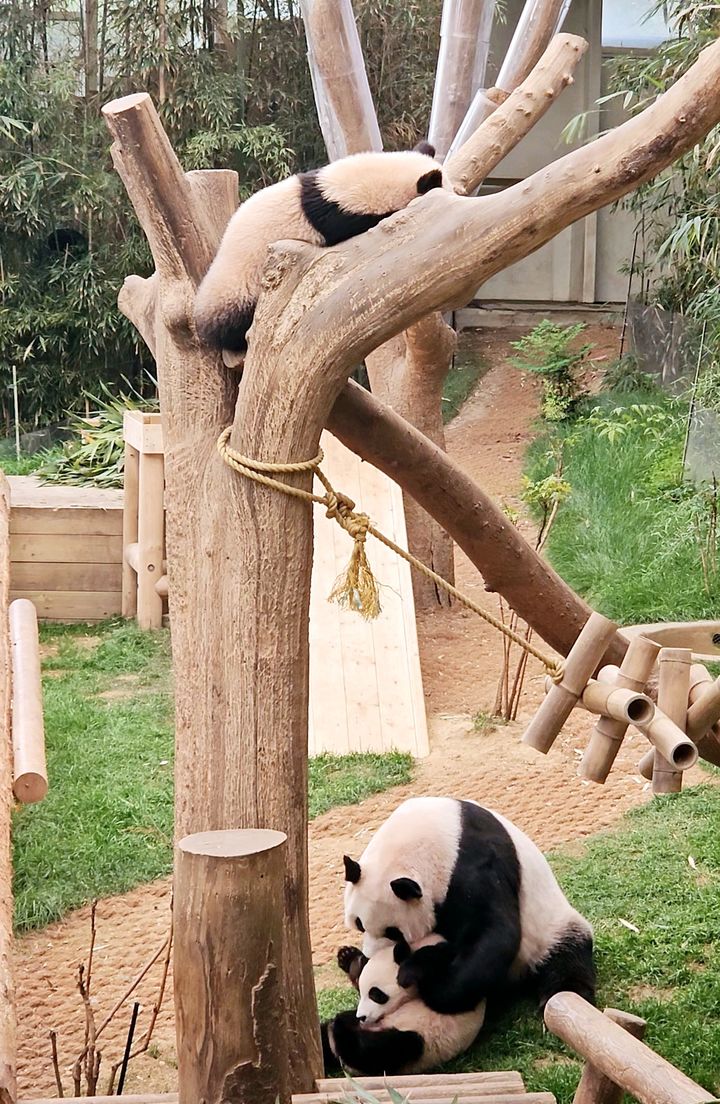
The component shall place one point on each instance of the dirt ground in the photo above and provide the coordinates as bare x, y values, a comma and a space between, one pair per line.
460, 661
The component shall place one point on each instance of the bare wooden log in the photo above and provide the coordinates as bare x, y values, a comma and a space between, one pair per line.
420, 1081
626, 1061
241, 723
507, 562
673, 690
30, 781
8, 1025
539, 21
227, 964
464, 42
513, 119
594, 1086
583, 659
608, 733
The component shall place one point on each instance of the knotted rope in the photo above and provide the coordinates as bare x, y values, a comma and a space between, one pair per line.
356, 588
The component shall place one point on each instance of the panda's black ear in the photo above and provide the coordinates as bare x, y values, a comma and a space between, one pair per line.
407, 889
352, 870
429, 180
401, 951
425, 147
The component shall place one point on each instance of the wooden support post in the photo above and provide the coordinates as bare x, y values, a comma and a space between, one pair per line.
8, 1026
131, 508
30, 781
672, 701
227, 963
583, 658
594, 1086
624, 1060
151, 533
608, 733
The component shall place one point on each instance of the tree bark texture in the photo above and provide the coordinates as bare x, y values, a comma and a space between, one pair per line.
8, 1085
227, 967
238, 559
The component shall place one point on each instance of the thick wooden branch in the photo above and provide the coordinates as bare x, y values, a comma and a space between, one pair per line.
488, 538
513, 119
434, 254
175, 226
624, 1060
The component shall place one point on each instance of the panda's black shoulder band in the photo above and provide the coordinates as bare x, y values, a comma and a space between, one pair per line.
328, 216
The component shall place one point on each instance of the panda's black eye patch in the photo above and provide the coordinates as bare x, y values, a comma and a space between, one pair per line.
359, 924
394, 933
377, 996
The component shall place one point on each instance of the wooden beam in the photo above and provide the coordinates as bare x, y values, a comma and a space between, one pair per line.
30, 782
228, 970
625, 1061
594, 1086
8, 1024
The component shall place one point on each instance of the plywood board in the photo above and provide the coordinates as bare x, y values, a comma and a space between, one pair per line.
72, 605
365, 683
64, 548
28, 491
67, 576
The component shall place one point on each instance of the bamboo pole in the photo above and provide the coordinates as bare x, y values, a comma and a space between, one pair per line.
464, 43
28, 731
617, 703
8, 1025
583, 659
608, 733
227, 964
626, 1061
673, 687
594, 1086
704, 713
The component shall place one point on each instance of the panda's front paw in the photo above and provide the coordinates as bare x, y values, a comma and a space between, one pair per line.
346, 956
425, 968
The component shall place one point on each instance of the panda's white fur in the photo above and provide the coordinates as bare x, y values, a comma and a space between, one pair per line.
420, 842
323, 207
360, 1046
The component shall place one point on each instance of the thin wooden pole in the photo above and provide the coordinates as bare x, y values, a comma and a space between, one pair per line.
673, 692
227, 961
626, 1061
594, 1086
131, 503
8, 1026
151, 534
30, 782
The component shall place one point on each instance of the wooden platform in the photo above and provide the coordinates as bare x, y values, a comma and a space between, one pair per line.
467, 1088
365, 684
66, 549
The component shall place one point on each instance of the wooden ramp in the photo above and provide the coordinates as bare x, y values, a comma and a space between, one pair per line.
467, 1088
365, 684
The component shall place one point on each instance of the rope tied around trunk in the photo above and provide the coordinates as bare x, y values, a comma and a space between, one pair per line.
356, 588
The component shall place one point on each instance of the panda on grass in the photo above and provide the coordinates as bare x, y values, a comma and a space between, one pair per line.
452, 867
393, 1031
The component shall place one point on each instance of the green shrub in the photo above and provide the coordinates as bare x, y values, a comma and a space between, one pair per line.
548, 352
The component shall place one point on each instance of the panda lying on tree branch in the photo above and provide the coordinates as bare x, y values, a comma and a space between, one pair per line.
439, 865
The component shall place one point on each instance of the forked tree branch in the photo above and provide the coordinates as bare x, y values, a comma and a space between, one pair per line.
512, 120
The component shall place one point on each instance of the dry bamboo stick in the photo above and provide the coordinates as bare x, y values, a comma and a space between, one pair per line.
594, 1086
673, 690
28, 732
626, 1061
583, 658
8, 1025
609, 732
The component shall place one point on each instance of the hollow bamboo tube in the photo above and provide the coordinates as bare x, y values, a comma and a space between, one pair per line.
704, 713
609, 732
228, 969
30, 781
628, 706
673, 689
625, 1061
669, 740
8, 1023
583, 658
594, 1086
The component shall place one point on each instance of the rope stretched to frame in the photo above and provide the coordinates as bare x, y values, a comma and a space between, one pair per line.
356, 588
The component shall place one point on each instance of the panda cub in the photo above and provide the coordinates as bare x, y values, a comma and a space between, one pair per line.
323, 207
442, 865
393, 1031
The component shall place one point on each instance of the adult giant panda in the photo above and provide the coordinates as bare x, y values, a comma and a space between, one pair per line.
323, 207
452, 867
393, 1031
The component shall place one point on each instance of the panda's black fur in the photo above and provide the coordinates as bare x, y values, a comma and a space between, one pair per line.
453, 867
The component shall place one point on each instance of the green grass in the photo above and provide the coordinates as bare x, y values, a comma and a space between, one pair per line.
624, 538
668, 971
11, 464
467, 370
106, 824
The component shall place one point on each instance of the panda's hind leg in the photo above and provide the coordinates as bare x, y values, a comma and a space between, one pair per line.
569, 967
224, 324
